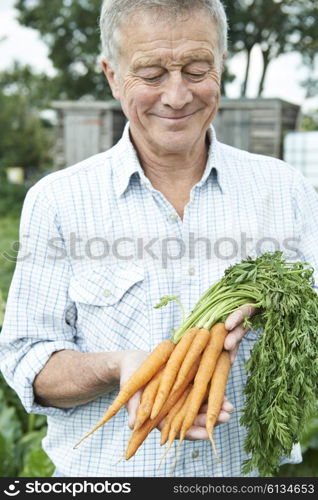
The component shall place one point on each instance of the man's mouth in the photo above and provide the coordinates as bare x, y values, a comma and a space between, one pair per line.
176, 118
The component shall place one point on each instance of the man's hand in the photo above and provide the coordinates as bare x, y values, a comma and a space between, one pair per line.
198, 430
234, 325
130, 361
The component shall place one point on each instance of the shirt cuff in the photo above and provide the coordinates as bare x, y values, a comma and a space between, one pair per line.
295, 456
29, 367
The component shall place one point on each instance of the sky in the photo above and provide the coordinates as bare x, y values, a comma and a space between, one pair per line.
283, 77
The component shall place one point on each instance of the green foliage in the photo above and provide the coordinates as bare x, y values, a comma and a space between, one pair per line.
70, 30
20, 439
37, 89
9, 233
276, 26
281, 389
309, 123
309, 445
11, 198
25, 141
309, 438
2, 307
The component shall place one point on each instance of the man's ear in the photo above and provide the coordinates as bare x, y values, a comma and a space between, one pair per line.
111, 77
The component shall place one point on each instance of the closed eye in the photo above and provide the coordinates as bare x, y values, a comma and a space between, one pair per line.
196, 76
152, 79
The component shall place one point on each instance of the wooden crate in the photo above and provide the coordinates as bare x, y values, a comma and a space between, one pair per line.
256, 125
86, 128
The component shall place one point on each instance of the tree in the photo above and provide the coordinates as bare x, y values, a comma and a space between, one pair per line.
25, 140
37, 88
276, 26
308, 46
70, 30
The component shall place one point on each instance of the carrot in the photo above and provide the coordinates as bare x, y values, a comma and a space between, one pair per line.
172, 413
171, 369
139, 378
216, 393
200, 341
204, 374
147, 399
178, 419
176, 424
138, 436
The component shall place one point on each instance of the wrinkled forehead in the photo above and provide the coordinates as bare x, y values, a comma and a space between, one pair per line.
149, 33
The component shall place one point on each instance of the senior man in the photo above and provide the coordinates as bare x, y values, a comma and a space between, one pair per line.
80, 320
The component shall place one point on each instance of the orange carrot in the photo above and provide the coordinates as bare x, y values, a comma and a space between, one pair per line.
178, 419
199, 342
176, 422
204, 374
172, 413
171, 370
216, 394
139, 378
138, 436
147, 399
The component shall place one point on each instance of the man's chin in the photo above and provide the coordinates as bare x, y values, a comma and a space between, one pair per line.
175, 141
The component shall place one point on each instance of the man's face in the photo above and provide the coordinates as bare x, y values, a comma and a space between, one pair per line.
168, 79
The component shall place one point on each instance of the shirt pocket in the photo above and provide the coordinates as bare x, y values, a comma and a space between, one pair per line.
111, 307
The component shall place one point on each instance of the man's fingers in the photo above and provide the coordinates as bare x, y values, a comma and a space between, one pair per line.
234, 325
132, 407
233, 353
196, 432
226, 409
223, 417
237, 317
234, 337
227, 406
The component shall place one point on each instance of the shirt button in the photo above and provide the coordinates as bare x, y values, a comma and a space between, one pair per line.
107, 293
195, 454
173, 217
191, 271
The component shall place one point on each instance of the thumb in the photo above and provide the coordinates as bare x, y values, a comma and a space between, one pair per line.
132, 407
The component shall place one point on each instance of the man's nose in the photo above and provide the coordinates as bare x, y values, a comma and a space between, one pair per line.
176, 92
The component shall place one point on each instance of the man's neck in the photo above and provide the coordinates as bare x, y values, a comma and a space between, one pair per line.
175, 175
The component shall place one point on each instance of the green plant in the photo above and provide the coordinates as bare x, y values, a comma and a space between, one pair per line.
309, 445
20, 439
2, 306
9, 229
11, 198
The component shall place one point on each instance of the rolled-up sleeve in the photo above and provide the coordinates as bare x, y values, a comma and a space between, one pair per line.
39, 318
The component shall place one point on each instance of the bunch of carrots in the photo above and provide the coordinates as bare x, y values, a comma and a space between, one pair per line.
181, 373
177, 378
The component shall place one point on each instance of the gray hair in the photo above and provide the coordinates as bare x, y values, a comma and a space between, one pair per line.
114, 11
